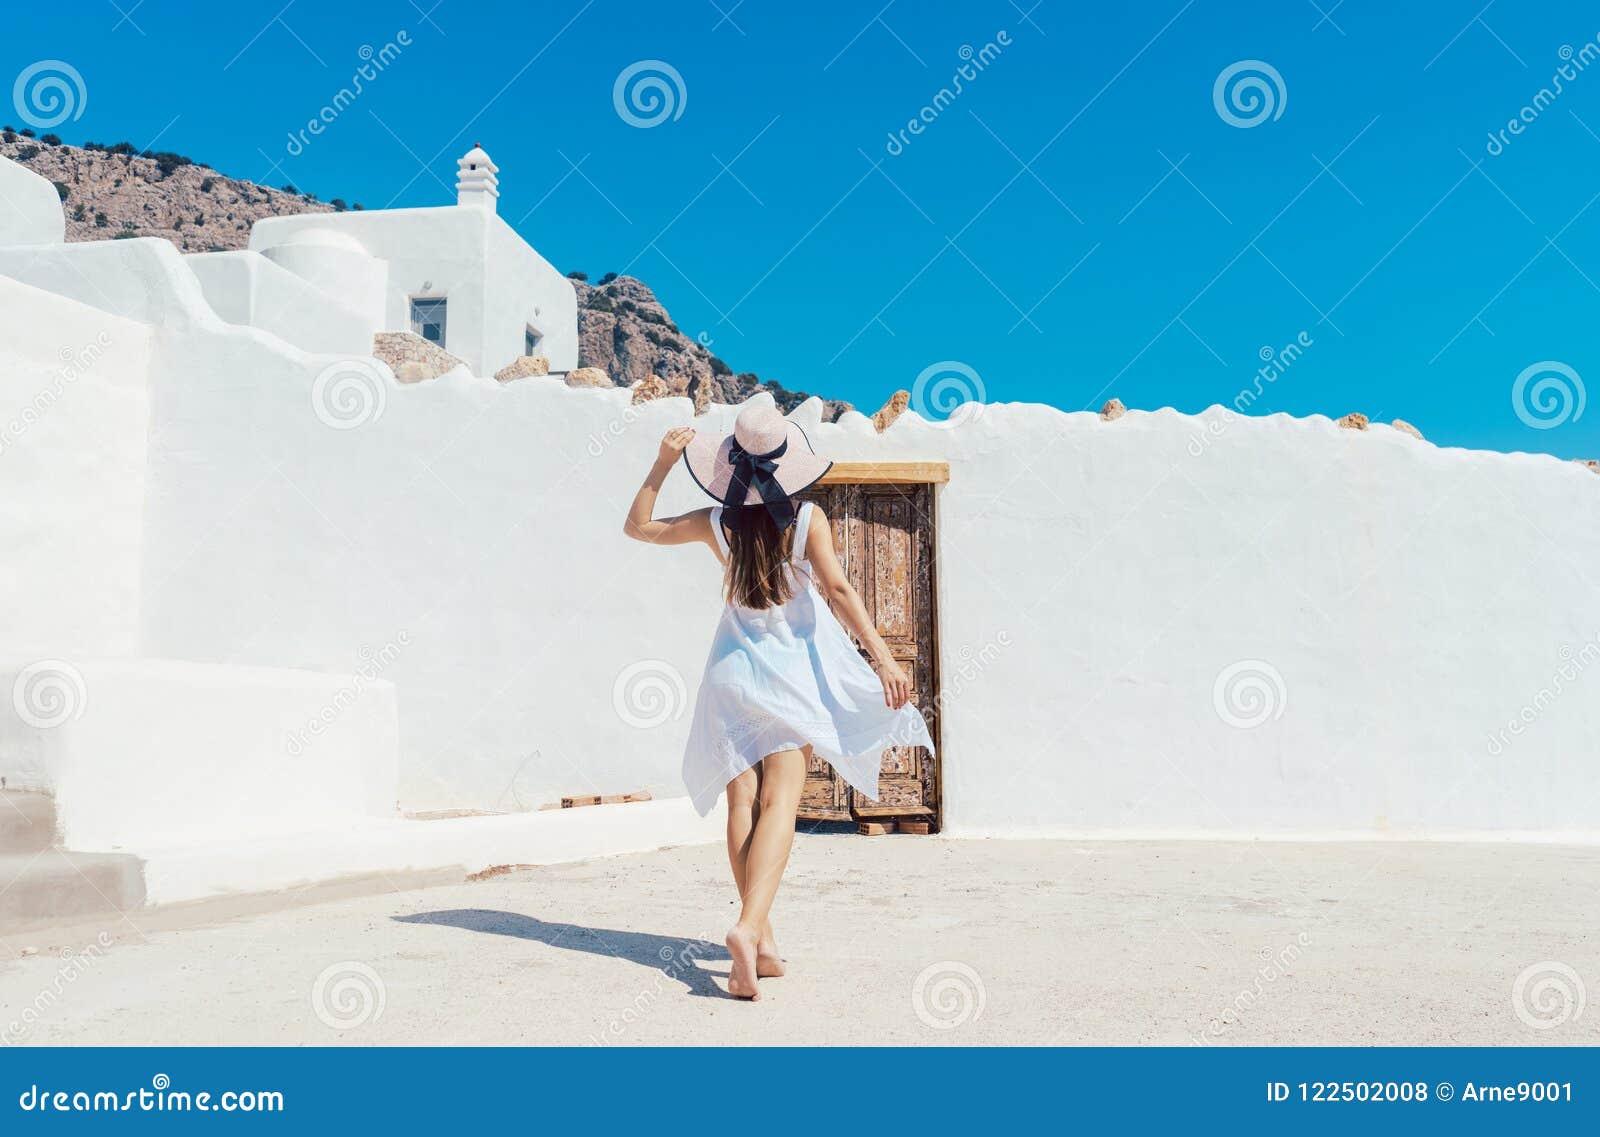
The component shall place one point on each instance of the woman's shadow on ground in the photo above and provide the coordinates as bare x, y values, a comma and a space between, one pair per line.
675, 958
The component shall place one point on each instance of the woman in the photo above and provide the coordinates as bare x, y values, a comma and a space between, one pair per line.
784, 681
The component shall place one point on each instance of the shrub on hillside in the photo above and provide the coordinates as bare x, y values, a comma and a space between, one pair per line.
167, 162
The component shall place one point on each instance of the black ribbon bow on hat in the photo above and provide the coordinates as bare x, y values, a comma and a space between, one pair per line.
758, 472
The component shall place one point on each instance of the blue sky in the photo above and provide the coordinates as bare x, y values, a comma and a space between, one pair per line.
1080, 221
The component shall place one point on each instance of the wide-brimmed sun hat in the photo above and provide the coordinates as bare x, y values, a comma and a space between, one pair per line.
766, 460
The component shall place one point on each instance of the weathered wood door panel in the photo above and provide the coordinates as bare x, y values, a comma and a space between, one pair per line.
884, 537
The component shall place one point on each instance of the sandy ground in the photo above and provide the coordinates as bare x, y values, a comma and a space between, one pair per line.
898, 940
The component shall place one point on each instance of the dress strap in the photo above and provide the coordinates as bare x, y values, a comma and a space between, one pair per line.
716, 530
802, 526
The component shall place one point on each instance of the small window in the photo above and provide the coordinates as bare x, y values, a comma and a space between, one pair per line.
530, 341
428, 319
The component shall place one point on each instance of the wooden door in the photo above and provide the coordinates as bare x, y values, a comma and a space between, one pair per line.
883, 534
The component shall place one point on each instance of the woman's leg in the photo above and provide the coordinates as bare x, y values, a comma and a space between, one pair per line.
783, 776
744, 810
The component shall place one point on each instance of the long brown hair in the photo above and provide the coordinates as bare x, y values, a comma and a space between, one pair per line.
757, 554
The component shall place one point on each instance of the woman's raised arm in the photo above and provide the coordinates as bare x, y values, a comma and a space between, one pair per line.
681, 530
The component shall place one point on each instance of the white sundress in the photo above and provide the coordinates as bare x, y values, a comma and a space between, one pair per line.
782, 678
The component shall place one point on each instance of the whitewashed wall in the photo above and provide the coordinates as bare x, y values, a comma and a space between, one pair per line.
473, 520
1163, 624
1393, 603
1261, 626
247, 289
32, 213
74, 413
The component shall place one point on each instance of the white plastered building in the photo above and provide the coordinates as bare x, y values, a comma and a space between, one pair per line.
457, 275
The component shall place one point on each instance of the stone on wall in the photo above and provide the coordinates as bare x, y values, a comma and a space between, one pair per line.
650, 389
398, 349
893, 409
1356, 421
523, 367
1113, 410
1405, 427
700, 392
588, 377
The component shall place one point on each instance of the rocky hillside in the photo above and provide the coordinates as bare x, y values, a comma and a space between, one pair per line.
111, 191
623, 329
114, 191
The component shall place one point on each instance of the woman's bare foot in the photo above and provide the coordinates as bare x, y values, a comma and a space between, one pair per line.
742, 978
769, 964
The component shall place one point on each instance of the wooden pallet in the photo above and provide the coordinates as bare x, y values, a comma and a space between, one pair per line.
882, 826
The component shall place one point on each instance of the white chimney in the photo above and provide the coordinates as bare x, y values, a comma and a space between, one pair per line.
476, 183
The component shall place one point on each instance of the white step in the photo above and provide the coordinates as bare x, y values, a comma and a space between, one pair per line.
56, 885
